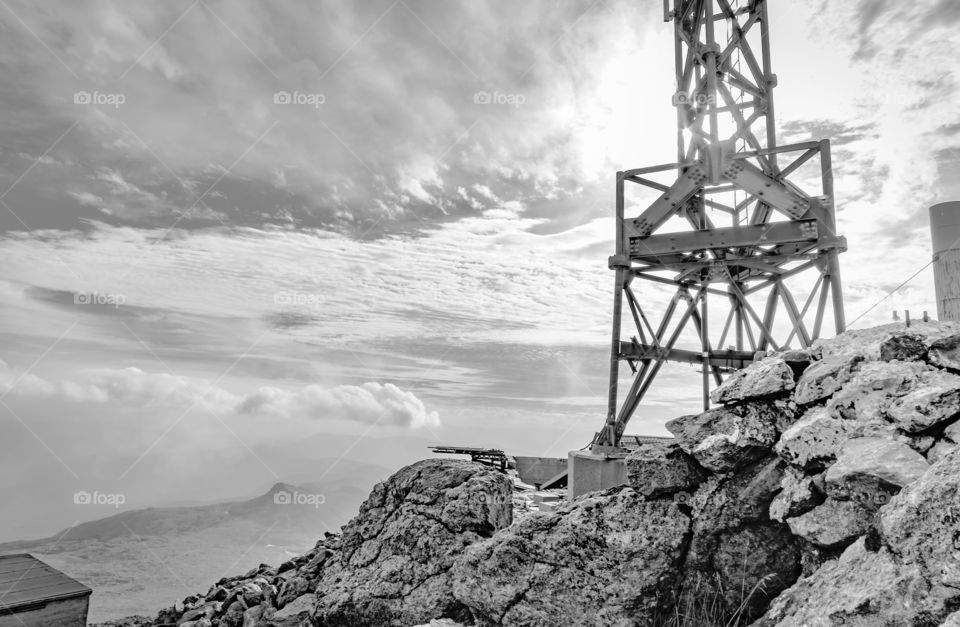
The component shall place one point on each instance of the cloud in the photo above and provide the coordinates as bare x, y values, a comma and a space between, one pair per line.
370, 403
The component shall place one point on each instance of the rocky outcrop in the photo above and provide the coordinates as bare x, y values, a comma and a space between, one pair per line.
822, 491
395, 556
813, 441
833, 524
726, 438
871, 470
390, 565
601, 560
769, 377
909, 574
823, 378
659, 468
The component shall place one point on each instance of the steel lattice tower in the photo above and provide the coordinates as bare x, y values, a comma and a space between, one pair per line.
731, 227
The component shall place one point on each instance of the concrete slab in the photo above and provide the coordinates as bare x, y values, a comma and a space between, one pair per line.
588, 472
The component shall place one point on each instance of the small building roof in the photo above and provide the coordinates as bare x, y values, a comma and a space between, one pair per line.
25, 580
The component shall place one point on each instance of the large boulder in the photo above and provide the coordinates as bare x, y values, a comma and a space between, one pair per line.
727, 438
294, 614
608, 558
735, 547
769, 377
934, 399
945, 352
395, 556
658, 468
860, 589
833, 524
906, 347
798, 494
812, 443
871, 470
821, 379
908, 575
921, 525
874, 387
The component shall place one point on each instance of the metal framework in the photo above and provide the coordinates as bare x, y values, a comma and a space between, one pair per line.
729, 225
488, 456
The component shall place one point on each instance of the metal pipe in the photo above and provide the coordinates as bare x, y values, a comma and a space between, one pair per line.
945, 236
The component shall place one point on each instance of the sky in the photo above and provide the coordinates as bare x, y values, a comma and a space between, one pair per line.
232, 230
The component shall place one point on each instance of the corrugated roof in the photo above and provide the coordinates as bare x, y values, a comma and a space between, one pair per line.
25, 580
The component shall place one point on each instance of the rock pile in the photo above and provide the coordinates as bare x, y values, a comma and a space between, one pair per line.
389, 566
824, 489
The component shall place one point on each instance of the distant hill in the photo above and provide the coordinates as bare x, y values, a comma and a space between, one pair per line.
137, 561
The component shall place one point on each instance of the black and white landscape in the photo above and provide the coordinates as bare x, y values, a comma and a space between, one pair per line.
256, 257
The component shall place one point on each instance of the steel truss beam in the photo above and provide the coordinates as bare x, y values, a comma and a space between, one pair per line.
749, 227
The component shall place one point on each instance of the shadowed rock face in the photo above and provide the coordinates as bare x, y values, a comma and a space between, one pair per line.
662, 468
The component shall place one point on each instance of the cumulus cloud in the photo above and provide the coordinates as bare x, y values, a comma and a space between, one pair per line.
370, 403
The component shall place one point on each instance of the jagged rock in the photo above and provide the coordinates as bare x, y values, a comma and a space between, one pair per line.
873, 388
394, 557
871, 470
945, 352
846, 592
751, 566
833, 524
731, 523
291, 589
952, 621
732, 501
233, 617
823, 378
608, 558
939, 450
906, 347
770, 377
867, 342
919, 443
813, 441
798, 495
295, 613
922, 524
252, 594
658, 468
730, 437
952, 432
251, 617
936, 398
912, 576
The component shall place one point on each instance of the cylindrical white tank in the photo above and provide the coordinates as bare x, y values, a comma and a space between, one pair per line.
945, 232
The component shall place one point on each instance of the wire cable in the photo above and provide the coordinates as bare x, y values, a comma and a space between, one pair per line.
892, 292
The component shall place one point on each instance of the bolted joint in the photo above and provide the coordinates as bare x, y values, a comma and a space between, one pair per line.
618, 261
713, 48
771, 80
